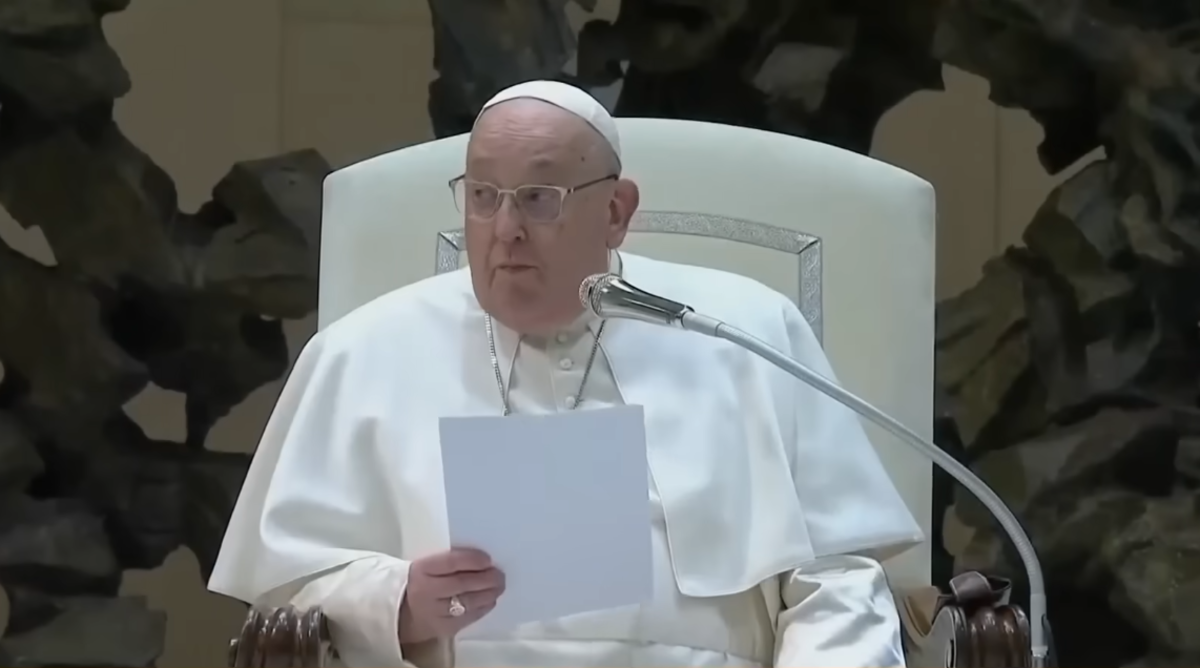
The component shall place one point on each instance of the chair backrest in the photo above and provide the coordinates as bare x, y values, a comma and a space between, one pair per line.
851, 239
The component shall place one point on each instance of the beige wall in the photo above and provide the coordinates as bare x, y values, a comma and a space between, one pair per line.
224, 80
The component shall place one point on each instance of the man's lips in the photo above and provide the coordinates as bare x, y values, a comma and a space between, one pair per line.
515, 267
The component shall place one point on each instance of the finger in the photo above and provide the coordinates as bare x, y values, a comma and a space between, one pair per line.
465, 583
456, 560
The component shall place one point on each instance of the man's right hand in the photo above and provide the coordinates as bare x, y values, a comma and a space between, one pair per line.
459, 572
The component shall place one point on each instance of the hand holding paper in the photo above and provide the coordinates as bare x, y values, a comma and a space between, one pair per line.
437, 582
560, 502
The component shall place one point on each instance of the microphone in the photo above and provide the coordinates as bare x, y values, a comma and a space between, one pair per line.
610, 296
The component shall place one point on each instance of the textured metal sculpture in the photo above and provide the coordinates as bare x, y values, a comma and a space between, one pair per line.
1070, 369
1069, 375
139, 293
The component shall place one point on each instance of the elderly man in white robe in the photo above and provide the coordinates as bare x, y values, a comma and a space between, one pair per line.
770, 510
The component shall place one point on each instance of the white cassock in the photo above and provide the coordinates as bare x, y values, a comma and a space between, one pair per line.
769, 505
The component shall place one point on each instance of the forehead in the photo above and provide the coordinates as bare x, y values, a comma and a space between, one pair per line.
530, 135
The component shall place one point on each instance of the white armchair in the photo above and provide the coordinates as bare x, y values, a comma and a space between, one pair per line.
851, 239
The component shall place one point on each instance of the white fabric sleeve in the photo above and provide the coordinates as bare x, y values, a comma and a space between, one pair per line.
361, 602
839, 611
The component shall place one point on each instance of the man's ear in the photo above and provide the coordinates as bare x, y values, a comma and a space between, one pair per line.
621, 208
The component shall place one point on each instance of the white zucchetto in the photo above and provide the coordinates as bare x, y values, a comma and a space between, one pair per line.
566, 97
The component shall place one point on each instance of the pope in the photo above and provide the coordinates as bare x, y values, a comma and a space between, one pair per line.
770, 510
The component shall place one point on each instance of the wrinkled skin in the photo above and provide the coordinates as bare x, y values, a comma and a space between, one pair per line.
527, 275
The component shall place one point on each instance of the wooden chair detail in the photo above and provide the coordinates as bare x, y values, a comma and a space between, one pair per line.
282, 638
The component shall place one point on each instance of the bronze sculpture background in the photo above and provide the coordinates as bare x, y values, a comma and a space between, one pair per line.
1066, 376
140, 293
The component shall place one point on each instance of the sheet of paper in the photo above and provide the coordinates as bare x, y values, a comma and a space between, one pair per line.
560, 502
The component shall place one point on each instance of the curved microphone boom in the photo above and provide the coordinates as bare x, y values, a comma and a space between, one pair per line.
610, 296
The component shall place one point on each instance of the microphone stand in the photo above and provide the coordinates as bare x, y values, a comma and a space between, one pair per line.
668, 313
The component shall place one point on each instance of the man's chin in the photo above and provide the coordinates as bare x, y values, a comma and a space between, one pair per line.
525, 313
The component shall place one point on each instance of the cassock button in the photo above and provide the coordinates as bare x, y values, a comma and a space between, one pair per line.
570, 402
565, 363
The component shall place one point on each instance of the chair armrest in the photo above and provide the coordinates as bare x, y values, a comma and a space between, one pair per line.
282, 637
972, 625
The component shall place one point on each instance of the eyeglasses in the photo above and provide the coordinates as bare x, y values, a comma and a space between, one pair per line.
539, 204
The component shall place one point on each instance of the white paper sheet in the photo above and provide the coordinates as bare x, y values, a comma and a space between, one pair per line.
560, 502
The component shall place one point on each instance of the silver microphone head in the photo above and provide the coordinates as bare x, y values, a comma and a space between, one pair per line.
610, 296
590, 290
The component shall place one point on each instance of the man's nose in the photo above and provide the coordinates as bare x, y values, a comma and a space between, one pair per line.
509, 222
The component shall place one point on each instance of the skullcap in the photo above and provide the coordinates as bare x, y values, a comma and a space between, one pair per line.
566, 97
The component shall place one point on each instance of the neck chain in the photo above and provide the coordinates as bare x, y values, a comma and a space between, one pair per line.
572, 402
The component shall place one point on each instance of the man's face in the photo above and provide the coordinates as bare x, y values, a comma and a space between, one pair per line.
526, 269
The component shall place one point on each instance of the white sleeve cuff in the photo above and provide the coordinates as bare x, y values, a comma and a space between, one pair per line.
361, 602
839, 612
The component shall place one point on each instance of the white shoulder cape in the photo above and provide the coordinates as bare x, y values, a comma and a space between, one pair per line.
757, 472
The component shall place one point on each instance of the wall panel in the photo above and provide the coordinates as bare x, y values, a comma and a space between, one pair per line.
949, 138
355, 89
205, 85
